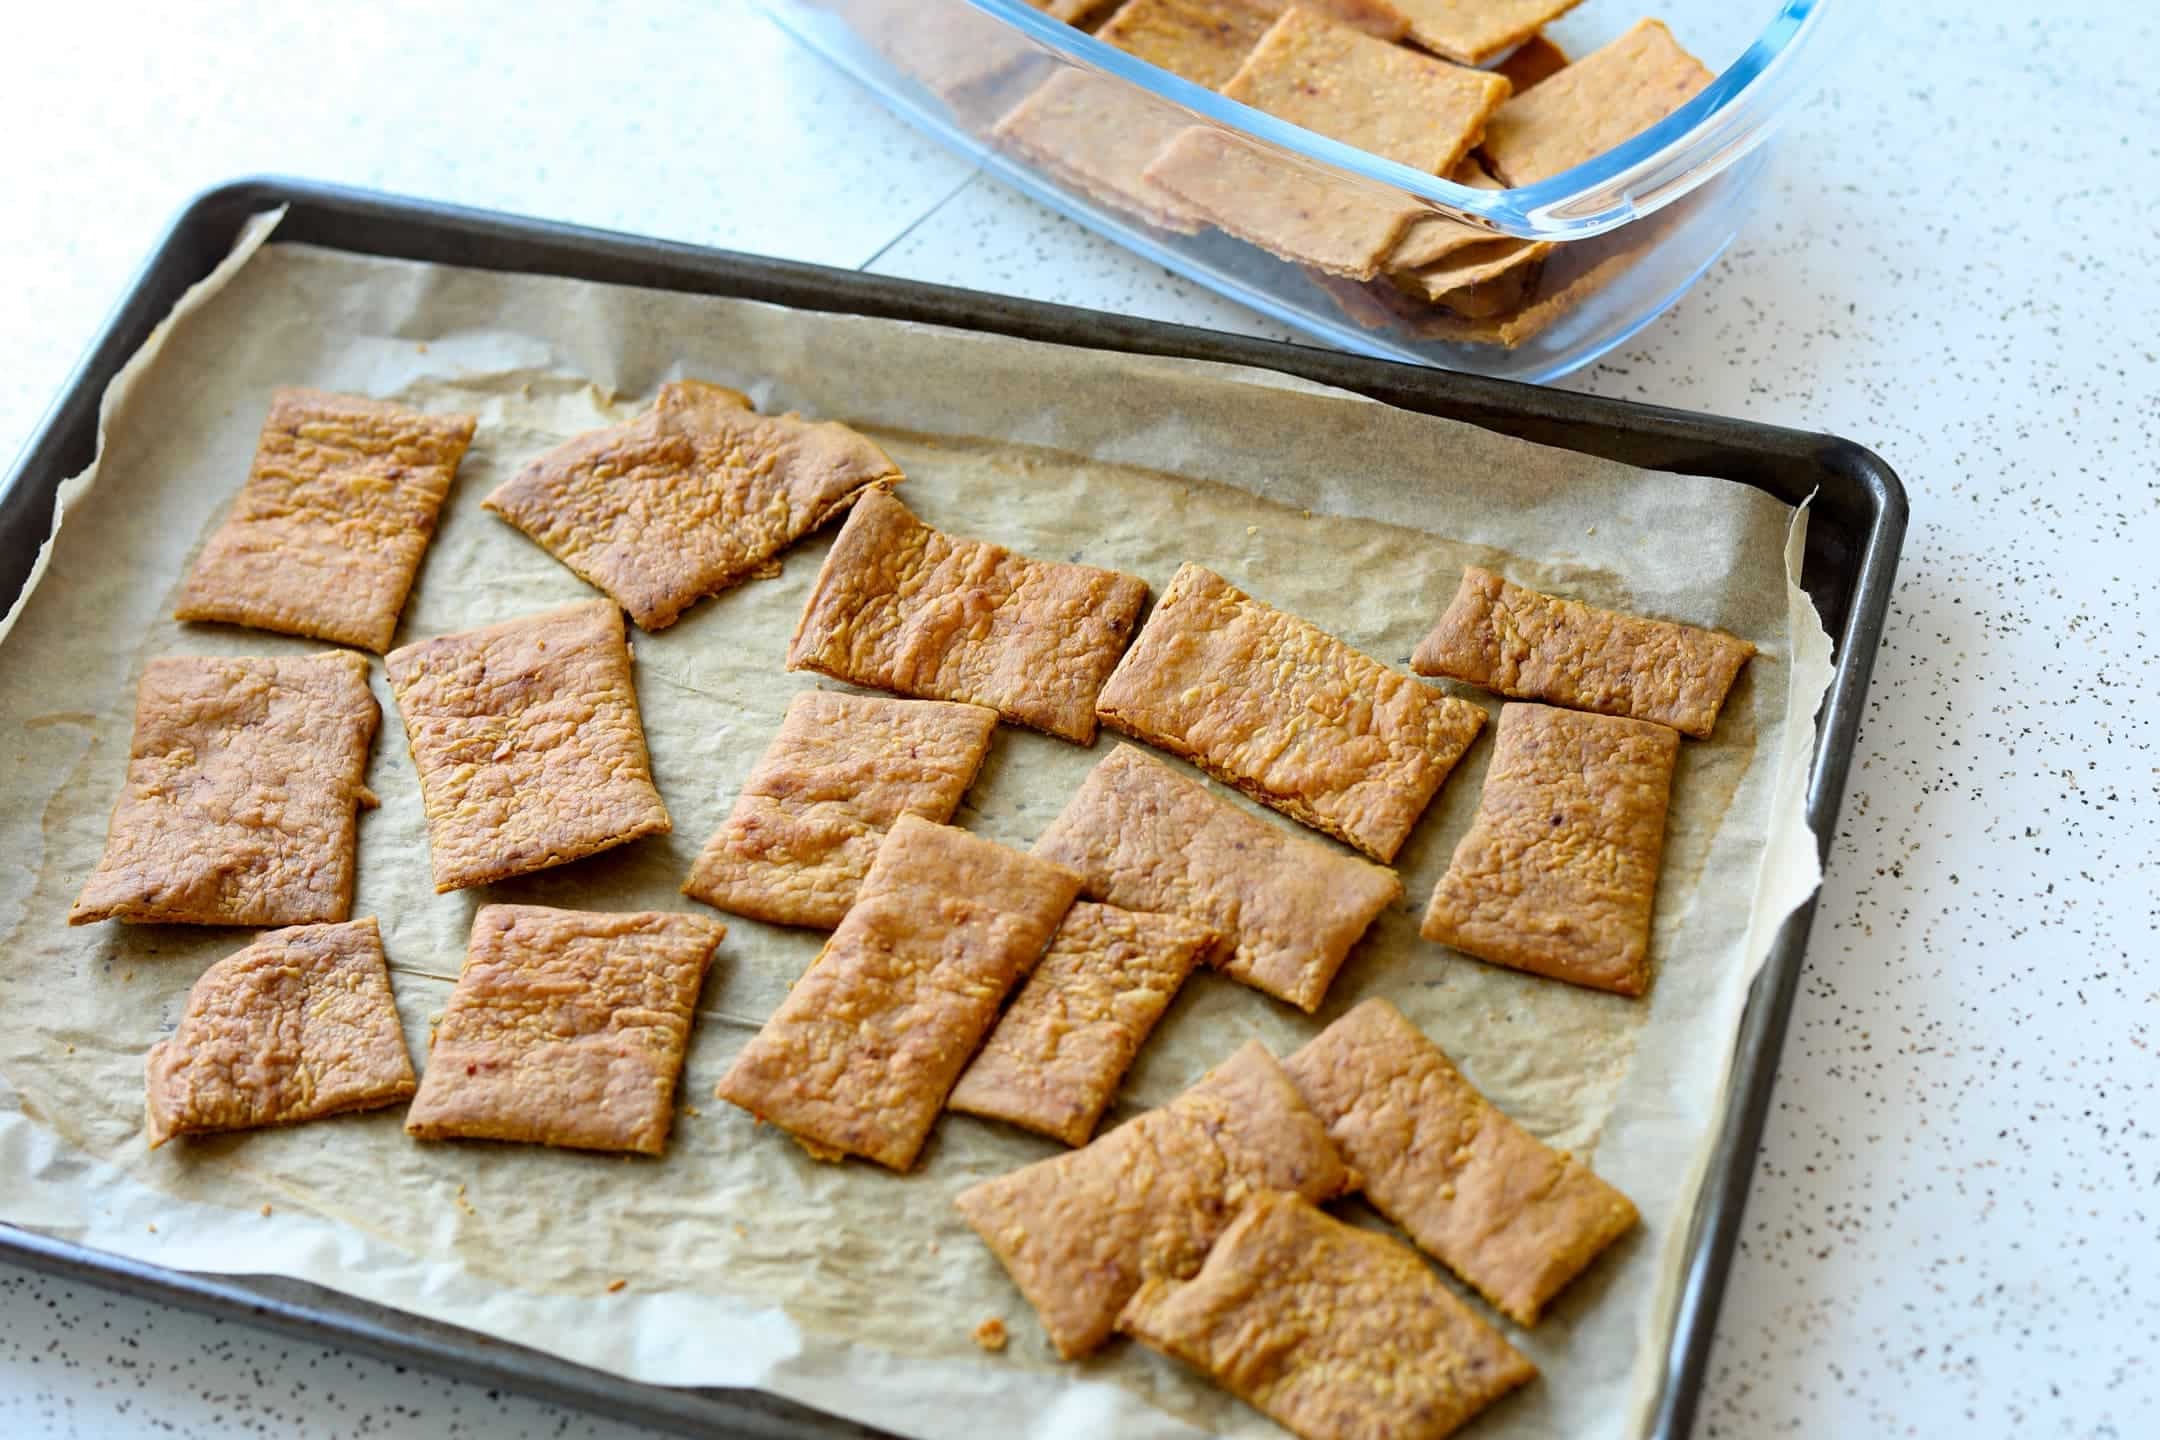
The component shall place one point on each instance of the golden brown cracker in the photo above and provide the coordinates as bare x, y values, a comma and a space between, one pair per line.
1378, 18
244, 783
299, 1025
1528, 645
1432, 238
1478, 281
1608, 96
1079, 1232
1559, 869
328, 531
859, 1058
1287, 207
528, 743
1287, 713
1336, 1333
1144, 837
1098, 134
1511, 1216
899, 606
811, 816
1203, 41
1054, 1061
688, 499
1471, 32
566, 1027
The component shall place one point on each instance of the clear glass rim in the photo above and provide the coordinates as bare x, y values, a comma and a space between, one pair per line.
1733, 115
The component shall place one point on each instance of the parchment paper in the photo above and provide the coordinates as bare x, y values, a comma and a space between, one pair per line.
745, 1263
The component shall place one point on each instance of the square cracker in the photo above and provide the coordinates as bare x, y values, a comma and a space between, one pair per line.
1559, 869
1471, 32
899, 606
567, 1027
1054, 1061
1528, 645
244, 783
1348, 86
688, 499
859, 1058
1145, 837
1203, 41
327, 533
1287, 713
812, 814
1337, 1333
1080, 1232
299, 1025
1513, 1217
528, 743
1608, 96
1097, 134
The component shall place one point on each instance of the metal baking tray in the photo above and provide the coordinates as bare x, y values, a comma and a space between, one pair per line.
1854, 536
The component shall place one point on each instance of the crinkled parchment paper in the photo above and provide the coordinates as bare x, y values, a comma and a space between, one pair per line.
745, 1263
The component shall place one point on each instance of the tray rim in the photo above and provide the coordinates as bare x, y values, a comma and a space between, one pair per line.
201, 233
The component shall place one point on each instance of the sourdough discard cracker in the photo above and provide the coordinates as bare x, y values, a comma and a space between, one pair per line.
812, 814
244, 785
1098, 134
1145, 837
1516, 1219
1203, 41
689, 498
298, 1025
899, 606
1287, 713
528, 743
1608, 96
1471, 32
327, 534
567, 1027
1560, 867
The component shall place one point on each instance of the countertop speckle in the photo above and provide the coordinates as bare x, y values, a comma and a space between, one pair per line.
1955, 1224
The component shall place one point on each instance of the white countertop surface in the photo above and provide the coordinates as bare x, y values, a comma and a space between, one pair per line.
1955, 1224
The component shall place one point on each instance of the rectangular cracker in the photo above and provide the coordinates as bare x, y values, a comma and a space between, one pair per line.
1203, 41
1478, 281
1145, 837
1098, 134
1513, 1217
1471, 32
688, 499
244, 782
1528, 645
567, 1028
859, 1058
1079, 1232
328, 531
1287, 713
298, 1025
528, 743
1348, 86
1334, 1332
1432, 238
1054, 1061
1608, 96
1559, 869
812, 814
899, 606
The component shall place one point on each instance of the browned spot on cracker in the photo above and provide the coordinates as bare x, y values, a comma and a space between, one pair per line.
1516, 1219
1333, 1331
298, 1025
861, 1054
991, 1334
811, 816
242, 794
567, 1027
528, 743
698, 494
1287, 713
1081, 1231
1559, 869
327, 533
899, 606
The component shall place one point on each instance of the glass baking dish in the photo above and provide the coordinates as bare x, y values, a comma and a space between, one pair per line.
1617, 238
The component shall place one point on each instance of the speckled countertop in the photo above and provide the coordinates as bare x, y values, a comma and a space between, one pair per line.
1955, 1225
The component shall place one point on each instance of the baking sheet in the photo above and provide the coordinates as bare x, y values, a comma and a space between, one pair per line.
744, 1262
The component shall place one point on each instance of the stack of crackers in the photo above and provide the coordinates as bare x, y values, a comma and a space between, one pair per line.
959, 974
1471, 90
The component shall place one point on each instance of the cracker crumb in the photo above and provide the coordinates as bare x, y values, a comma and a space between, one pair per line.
991, 1334
153, 1229
616, 1284
266, 1210
1306, 513
1252, 529
462, 1202
1590, 530
421, 347
741, 1234
692, 1111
